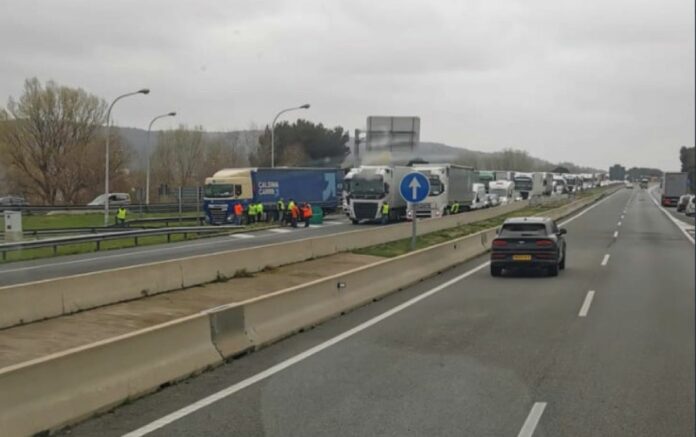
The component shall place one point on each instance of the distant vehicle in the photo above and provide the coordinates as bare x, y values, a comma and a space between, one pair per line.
115, 199
486, 177
449, 183
479, 200
644, 183
546, 183
674, 185
321, 187
370, 187
691, 207
492, 199
505, 190
683, 201
504, 175
559, 184
345, 193
13, 201
529, 184
629, 185
573, 183
588, 181
529, 242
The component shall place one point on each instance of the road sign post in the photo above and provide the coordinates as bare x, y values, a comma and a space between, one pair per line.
414, 188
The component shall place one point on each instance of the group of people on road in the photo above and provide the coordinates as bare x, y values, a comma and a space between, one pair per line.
290, 214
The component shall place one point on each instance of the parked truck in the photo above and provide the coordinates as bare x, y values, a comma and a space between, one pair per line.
449, 183
674, 185
528, 184
505, 190
485, 177
321, 187
504, 175
546, 183
370, 187
573, 183
560, 185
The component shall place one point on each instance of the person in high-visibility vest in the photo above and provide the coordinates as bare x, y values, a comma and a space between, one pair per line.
259, 212
294, 213
121, 216
251, 213
280, 210
291, 205
306, 213
385, 212
238, 213
454, 209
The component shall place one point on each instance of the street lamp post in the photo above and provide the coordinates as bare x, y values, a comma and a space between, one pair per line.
147, 172
305, 106
106, 168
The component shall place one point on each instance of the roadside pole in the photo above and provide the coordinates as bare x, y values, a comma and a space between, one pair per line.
180, 209
198, 205
412, 207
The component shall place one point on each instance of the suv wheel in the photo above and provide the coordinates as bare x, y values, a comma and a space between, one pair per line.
561, 265
496, 270
553, 270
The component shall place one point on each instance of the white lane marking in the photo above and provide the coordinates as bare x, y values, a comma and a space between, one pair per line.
242, 236
605, 260
616, 234
532, 420
176, 415
622, 216
686, 228
330, 223
202, 403
588, 209
618, 224
279, 230
586, 304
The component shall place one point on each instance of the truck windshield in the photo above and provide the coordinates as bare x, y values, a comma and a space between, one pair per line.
223, 190
361, 186
523, 183
436, 187
500, 192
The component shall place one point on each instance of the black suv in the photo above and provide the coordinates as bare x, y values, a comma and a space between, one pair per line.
529, 242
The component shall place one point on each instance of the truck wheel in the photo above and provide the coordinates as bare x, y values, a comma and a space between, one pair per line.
553, 270
355, 222
496, 270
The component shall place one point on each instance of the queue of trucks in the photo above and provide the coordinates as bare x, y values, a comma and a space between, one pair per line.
362, 192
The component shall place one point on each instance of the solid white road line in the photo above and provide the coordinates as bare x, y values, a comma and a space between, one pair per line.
586, 304
605, 260
166, 420
242, 236
279, 230
618, 224
616, 234
532, 420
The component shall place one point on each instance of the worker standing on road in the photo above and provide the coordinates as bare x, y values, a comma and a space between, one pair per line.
306, 213
294, 213
385, 212
238, 213
121, 216
291, 205
454, 209
280, 210
251, 213
259, 212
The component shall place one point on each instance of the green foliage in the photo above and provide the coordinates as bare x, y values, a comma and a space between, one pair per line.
617, 172
302, 143
636, 173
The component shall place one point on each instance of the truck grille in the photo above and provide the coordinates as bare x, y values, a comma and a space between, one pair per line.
218, 215
364, 210
424, 210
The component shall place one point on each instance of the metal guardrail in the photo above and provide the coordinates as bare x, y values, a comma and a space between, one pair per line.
116, 235
133, 208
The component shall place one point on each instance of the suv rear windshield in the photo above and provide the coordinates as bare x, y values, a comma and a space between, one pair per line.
523, 230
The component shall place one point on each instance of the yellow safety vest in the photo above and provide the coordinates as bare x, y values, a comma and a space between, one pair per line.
385, 208
281, 205
121, 214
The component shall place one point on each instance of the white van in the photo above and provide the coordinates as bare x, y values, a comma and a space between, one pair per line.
480, 199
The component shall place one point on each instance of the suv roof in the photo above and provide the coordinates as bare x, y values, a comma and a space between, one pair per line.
527, 220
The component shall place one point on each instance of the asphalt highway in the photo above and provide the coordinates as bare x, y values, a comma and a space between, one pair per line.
604, 349
49, 268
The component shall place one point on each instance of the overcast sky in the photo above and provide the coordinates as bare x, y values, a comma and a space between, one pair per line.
594, 82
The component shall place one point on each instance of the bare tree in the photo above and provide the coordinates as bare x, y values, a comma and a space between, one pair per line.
178, 156
48, 138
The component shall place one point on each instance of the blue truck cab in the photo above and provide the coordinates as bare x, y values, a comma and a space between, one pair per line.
321, 187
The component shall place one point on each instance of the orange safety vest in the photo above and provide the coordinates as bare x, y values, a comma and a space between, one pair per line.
294, 211
307, 212
238, 209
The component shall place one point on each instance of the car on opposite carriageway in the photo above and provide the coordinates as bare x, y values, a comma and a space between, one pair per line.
529, 242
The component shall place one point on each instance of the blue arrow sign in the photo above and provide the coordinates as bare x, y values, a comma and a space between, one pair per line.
414, 187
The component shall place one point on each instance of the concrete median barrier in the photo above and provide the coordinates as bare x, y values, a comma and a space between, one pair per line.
60, 389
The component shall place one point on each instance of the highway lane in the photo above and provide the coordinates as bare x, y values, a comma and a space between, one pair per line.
47, 268
479, 356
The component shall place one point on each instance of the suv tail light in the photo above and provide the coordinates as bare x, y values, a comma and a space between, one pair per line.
499, 243
544, 243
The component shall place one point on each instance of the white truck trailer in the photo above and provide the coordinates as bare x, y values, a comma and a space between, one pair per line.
449, 183
528, 184
370, 187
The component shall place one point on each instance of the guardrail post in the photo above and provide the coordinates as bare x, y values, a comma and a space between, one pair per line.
98, 245
136, 240
55, 249
169, 238
4, 255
